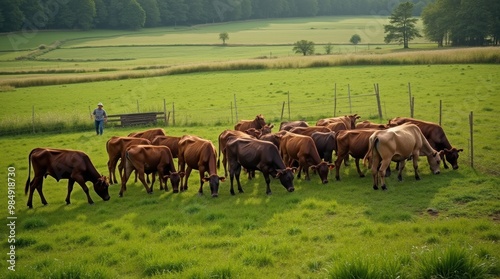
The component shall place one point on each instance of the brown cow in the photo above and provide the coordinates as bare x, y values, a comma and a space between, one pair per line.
287, 125
370, 125
325, 144
348, 120
303, 150
337, 126
149, 134
147, 159
169, 141
398, 144
116, 147
263, 156
436, 137
257, 123
223, 138
73, 165
199, 154
354, 143
308, 131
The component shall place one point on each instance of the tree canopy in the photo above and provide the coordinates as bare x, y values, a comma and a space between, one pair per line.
402, 27
134, 14
303, 46
462, 23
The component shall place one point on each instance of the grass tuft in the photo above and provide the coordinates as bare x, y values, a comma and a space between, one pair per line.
33, 223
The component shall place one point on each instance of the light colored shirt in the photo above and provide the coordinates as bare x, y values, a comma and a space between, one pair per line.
99, 114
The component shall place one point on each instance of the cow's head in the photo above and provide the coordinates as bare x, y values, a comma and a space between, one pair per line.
213, 181
353, 118
322, 169
451, 156
259, 120
175, 179
286, 178
101, 187
434, 160
267, 129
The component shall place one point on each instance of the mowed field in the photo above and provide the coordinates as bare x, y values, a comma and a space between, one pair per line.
416, 229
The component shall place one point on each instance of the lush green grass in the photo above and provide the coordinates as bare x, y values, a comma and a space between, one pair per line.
317, 231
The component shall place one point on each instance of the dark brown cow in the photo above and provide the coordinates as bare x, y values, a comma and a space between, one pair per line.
354, 143
199, 154
149, 134
116, 147
274, 138
257, 123
169, 141
436, 137
303, 150
348, 120
308, 131
398, 144
325, 144
370, 125
263, 156
146, 159
223, 138
73, 165
287, 125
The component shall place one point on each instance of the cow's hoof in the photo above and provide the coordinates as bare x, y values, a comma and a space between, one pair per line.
200, 194
384, 187
215, 195
400, 178
269, 193
417, 177
375, 187
361, 175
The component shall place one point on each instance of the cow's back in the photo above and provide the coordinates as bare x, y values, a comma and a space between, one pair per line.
196, 151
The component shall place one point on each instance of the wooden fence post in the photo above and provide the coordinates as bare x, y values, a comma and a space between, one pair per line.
232, 120
335, 100
349, 96
173, 113
471, 125
410, 99
412, 107
165, 112
288, 105
377, 96
235, 108
282, 111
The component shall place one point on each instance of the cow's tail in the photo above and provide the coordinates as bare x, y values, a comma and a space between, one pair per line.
29, 173
372, 148
218, 156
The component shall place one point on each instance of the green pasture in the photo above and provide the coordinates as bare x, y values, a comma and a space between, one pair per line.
318, 231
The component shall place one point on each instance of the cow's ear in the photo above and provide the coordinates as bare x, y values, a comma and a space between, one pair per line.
165, 177
222, 178
314, 167
181, 174
331, 166
205, 179
460, 150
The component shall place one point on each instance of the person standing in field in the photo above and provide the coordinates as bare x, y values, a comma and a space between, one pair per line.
100, 117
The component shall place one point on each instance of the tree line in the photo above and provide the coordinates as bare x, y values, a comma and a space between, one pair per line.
462, 22
17, 15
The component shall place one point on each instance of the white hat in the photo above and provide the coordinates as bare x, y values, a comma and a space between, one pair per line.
100, 104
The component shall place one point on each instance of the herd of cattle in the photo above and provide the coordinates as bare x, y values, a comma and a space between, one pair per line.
296, 148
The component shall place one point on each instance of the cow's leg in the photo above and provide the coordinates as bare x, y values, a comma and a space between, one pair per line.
268, 181
224, 162
361, 174
202, 173
71, 182
235, 171
443, 159
140, 174
80, 180
338, 163
39, 188
402, 165
186, 177
383, 166
415, 165
33, 185
112, 170
126, 174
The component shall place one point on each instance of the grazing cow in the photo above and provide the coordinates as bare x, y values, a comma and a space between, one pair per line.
116, 147
436, 137
398, 144
263, 156
308, 131
303, 150
146, 159
199, 154
325, 144
149, 134
348, 120
169, 141
287, 125
64, 164
370, 125
257, 123
354, 143
223, 138
274, 138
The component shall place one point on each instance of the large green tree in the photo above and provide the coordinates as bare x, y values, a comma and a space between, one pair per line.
152, 11
402, 27
303, 46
